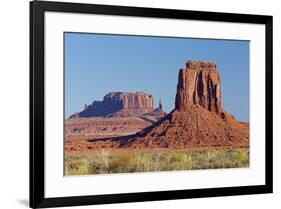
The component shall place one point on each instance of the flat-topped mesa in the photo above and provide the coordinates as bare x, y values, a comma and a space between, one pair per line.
199, 84
131, 100
119, 104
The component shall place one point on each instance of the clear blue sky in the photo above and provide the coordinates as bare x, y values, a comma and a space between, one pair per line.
98, 64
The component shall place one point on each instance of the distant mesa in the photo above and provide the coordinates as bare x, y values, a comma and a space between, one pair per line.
121, 104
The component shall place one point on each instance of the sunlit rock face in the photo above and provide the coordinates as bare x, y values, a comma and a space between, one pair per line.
199, 83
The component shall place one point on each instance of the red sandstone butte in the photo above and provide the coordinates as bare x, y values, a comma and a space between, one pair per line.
199, 84
198, 119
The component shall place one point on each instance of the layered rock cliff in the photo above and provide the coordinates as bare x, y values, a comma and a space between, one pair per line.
199, 84
121, 104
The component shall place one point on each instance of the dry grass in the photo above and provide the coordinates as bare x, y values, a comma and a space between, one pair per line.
109, 161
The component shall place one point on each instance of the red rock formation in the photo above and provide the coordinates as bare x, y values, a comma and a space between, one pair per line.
198, 119
199, 84
158, 112
197, 127
138, 100
121, 104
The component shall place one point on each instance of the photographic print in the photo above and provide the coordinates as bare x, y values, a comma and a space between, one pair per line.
147, 104
125, 98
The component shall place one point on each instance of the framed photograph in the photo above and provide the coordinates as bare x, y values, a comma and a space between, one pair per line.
133, 104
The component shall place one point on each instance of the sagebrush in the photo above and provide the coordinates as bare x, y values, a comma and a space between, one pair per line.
108, 161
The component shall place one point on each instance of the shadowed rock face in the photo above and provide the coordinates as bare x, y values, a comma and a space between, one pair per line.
119, 104
199, 84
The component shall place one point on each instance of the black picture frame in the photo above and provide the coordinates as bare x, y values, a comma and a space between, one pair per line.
37, 101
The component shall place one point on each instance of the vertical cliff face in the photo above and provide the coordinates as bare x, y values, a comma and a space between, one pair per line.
199, 84
132, 104
119, 104
128, 100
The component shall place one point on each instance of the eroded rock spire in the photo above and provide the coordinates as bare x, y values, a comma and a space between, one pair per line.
199, 83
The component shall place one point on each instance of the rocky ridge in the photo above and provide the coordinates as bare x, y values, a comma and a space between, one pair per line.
119, 104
